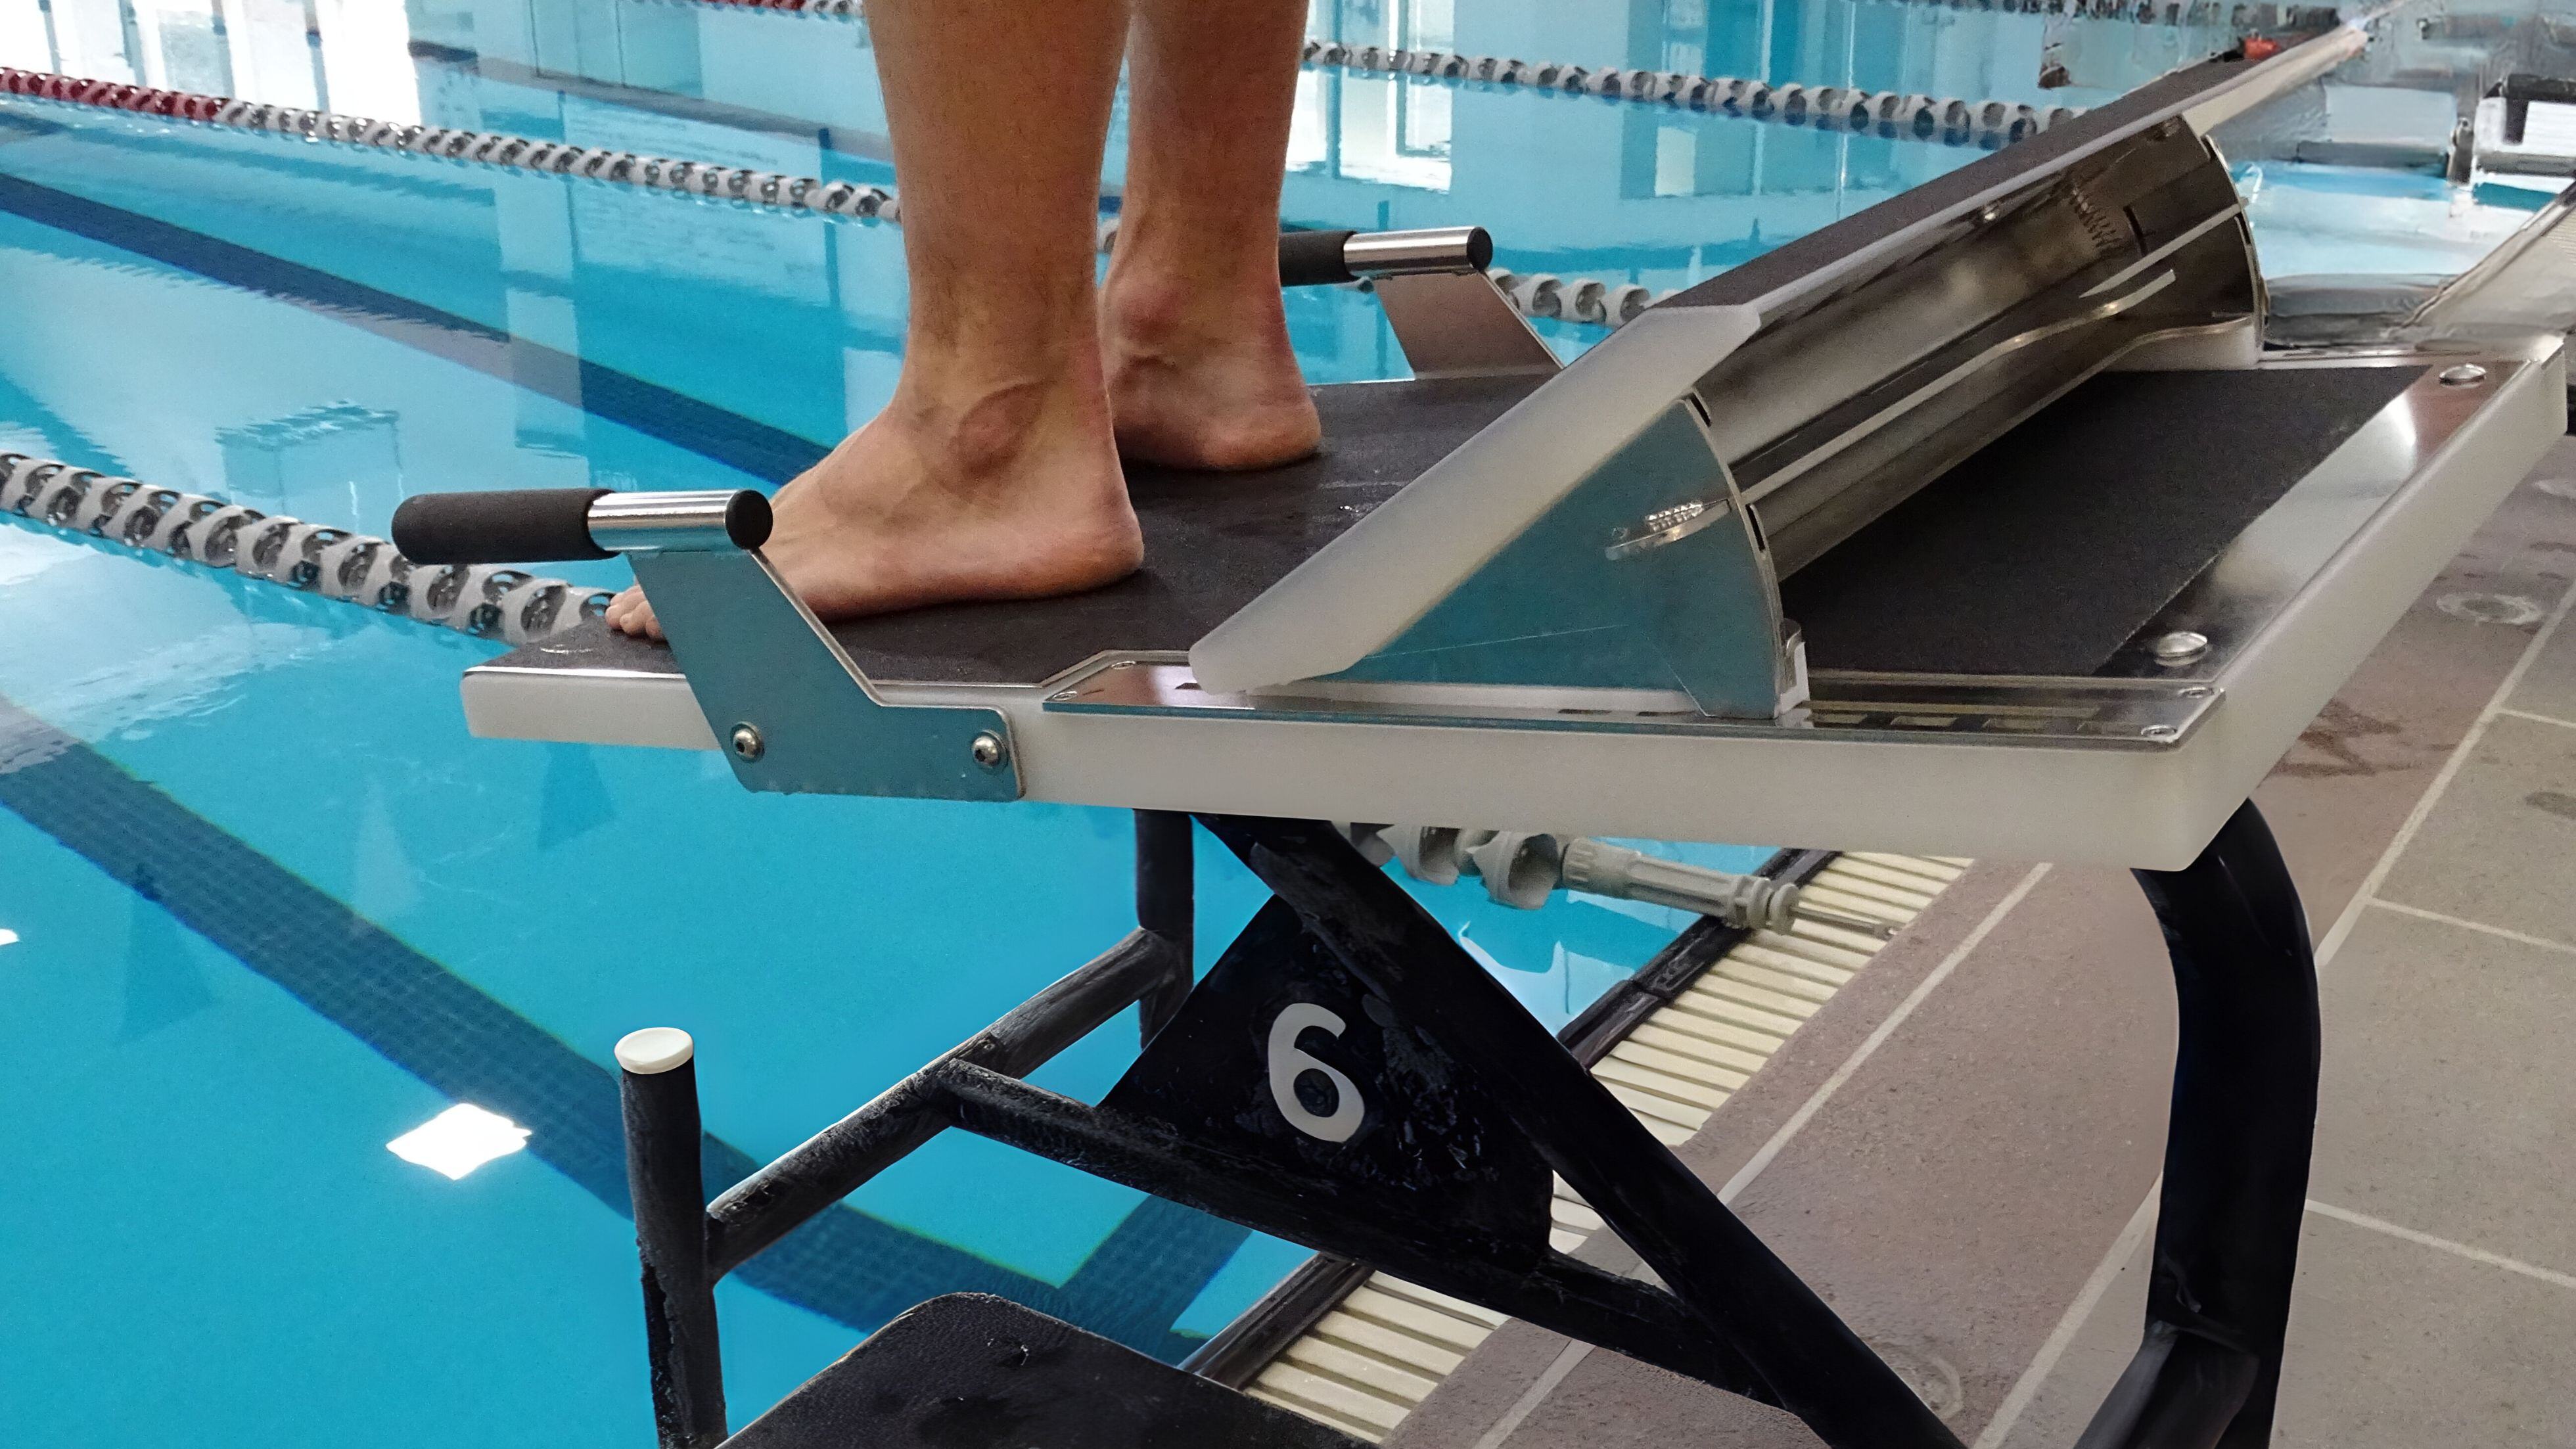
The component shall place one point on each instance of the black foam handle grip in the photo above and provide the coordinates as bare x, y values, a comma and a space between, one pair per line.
519, 525
1314, 258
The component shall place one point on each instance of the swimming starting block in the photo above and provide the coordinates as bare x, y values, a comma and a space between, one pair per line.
1979, 523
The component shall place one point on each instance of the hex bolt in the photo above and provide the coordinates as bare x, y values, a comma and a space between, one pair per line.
747, 742
2179, 647
989, 751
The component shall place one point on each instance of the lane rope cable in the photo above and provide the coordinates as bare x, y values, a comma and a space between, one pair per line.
480, 599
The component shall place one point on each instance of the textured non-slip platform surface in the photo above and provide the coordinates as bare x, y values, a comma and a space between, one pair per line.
2051, 547
1212, 542
2042, 554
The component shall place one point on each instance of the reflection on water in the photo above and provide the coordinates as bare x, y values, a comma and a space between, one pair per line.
2316, 220
1373, 128
316, 453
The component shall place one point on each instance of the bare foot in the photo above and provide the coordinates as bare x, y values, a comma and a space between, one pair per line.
1203, 379
1015, 496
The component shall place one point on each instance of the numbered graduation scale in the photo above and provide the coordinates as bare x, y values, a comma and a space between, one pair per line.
1979, 523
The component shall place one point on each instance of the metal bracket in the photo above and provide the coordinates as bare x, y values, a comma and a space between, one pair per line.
1459, 324
791, 711
1625, 585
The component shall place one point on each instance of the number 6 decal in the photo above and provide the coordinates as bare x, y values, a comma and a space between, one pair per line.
1287, 1063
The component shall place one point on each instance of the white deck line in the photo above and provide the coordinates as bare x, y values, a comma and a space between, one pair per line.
2469, 1251
2503, 933
2547, 719
1367, 1364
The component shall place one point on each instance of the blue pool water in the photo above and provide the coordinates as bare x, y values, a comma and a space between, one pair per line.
2315, 220
272, 908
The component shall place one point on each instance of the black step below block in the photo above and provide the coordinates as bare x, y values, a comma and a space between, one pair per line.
971, 1371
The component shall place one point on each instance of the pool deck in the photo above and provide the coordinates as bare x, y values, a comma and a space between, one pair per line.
1960, 1148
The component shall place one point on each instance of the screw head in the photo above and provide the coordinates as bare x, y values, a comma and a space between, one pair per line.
747, 743
2159, 732
2179, 647
2466, 374
989, 751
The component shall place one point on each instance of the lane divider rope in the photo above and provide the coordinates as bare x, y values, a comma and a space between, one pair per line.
486, 600
2237, 18
1944, 119
1572, 299
490, 148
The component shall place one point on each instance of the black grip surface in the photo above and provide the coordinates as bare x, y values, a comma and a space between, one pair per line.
1313, 258
1480, 248
522, 525
748, 519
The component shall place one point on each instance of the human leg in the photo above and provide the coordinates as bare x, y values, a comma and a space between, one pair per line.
993, 472
1193, 333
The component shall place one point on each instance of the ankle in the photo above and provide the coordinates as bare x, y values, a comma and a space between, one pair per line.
1151, 309
987, 429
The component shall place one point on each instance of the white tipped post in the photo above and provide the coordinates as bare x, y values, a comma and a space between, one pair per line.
658, 1096
655, 1050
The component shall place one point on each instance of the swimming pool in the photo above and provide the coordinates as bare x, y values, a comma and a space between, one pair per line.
272, 909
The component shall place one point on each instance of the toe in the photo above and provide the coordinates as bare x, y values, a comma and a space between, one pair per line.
630, 614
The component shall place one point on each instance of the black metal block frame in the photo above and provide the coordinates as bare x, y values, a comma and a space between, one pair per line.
1347, 1077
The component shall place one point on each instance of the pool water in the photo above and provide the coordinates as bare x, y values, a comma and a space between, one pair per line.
266, 907
2322, 220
